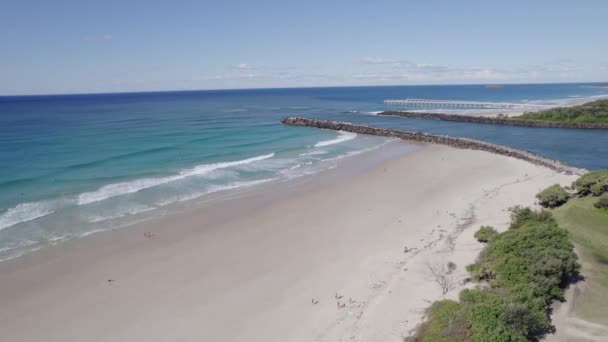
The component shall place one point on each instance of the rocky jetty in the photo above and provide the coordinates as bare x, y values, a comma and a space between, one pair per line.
496, 120
456, 142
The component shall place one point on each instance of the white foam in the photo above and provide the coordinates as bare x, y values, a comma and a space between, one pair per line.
213, 189
342, 137
124, 212
25, 212
17, 245
357, 152
124, 188
236, 185
313, 153
58, 238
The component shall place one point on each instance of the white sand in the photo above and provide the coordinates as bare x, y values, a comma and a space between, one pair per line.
251, 271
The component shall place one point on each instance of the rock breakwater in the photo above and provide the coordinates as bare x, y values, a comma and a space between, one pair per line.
456, 142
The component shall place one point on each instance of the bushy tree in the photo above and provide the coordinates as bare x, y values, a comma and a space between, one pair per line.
592, 183
524, 269
553, 196
602, 202
521, 216
533, 261
485, 234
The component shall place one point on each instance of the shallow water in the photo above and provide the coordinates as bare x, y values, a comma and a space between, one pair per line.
76, 164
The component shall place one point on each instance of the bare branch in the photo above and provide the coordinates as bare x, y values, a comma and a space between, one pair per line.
442, 275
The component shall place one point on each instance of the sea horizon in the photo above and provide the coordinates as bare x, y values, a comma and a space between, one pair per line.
126, 92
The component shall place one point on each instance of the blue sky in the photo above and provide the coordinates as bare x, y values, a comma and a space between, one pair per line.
113, 46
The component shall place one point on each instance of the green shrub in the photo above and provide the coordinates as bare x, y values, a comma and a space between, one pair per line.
521, 216
526, 268
485, 234
447, 321
592, 183
532, 262
553, 196
602, 202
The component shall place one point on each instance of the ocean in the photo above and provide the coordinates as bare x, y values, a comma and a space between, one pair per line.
73, 165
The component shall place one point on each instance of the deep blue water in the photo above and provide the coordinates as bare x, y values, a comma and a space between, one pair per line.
74, 164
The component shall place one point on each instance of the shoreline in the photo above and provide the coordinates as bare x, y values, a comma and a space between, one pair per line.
154, 209
349, 165
354, 241
493, 117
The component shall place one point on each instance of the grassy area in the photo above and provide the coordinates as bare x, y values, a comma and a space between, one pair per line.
592, 112
588, 228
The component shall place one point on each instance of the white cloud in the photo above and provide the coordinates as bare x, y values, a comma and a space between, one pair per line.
400, 71
378, 61
378, 71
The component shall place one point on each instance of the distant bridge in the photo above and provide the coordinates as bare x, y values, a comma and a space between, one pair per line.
424, 103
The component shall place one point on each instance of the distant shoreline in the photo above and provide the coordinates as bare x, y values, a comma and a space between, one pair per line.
495, 120
499, 118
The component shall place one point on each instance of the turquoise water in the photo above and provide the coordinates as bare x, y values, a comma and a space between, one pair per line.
76, 164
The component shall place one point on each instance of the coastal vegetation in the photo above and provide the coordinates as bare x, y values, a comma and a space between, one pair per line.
592, 183
486, 234
585, 216
591, 115
591, 112
602, 202
553, 196
520, 272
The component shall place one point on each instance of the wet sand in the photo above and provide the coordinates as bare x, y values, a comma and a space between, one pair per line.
342, 255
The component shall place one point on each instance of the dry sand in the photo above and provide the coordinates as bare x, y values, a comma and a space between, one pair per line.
324, 263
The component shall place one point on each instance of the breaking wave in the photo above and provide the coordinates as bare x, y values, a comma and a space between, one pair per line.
342, 137
123, 188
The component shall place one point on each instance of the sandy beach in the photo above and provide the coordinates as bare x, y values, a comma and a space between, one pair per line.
342, 257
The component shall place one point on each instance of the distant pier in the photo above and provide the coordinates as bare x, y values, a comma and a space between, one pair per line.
448, 104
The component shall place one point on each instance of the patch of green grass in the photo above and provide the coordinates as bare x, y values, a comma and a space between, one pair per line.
587, 224
588, 228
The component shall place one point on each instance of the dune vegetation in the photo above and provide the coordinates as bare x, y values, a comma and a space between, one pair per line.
591, 112
553, 196
522, 272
